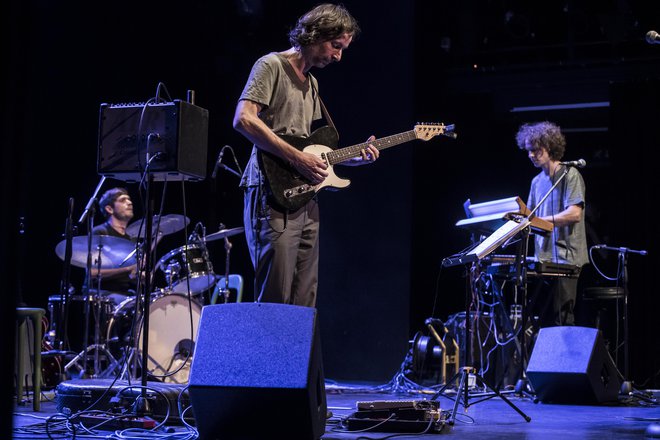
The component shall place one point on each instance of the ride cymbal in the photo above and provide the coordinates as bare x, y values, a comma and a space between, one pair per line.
168, 224
112, 251
224, 233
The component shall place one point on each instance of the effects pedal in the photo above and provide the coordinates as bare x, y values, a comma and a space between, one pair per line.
112, 423
407, 416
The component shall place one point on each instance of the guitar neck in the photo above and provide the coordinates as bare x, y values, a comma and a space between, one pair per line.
342, 154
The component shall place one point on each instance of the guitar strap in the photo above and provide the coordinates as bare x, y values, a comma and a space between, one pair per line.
324, 110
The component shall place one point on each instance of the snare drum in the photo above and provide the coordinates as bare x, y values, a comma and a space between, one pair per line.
190, 267
171, 337
100, 311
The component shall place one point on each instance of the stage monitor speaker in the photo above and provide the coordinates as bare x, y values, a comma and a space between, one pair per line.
257, 373
570, 364
175, 134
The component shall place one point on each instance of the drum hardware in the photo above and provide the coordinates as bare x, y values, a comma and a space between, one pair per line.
225, 234
111, 252
93, 303
77, 251
163, 225
99, 349
188, 268
170, 332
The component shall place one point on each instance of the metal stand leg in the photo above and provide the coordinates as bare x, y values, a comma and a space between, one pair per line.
113, 364
463, 388
462, 394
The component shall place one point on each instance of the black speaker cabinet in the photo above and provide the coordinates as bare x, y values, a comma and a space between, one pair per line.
257, 373
570, 364
174, 134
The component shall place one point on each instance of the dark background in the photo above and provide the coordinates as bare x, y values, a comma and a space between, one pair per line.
483, 66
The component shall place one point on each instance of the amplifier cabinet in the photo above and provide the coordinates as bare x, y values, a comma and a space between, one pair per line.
174, 135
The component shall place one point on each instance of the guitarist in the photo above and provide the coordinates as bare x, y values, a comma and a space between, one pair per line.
281, 98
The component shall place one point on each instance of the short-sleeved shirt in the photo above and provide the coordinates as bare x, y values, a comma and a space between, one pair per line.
289, 104
122, 283
566, 244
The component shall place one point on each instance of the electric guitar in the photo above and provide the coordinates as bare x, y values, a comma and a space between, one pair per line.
292, 191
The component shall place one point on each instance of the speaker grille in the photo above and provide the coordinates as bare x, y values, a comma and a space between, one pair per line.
175, 134
571, 365
257, 373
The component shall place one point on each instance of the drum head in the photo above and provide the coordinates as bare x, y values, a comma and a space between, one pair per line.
173, 323
188, 269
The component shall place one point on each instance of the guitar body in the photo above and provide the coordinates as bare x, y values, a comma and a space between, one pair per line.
288, 188
291, 191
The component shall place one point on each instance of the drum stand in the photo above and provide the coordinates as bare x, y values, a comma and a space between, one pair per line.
224, 290
97, 347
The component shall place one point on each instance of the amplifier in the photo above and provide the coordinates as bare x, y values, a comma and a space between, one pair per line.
171, 136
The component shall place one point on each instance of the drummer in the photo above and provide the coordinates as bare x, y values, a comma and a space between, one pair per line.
117, 283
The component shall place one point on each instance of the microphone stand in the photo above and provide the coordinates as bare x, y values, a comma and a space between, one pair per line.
622, 280
522, 385
88, 294
88, 214
142, 405
60, 341
91, 201
225, 289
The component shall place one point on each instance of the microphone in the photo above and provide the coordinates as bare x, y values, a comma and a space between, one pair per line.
580, 163
652, 37
217, 162
623, 250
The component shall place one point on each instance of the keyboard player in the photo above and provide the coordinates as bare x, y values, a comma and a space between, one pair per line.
555, 297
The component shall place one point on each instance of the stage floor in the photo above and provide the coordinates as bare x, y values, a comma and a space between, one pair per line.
488, 417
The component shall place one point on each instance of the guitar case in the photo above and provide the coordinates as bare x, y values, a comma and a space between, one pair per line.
77, 395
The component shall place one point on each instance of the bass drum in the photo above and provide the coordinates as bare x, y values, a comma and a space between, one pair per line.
171, 336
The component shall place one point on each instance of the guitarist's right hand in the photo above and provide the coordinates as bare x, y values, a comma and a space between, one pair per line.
310, 166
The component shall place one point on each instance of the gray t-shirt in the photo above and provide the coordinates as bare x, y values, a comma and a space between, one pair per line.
567, 244
289, 104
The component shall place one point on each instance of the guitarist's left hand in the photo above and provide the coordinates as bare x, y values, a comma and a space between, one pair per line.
367, 155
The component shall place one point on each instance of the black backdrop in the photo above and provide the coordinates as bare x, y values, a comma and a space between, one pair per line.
384, 237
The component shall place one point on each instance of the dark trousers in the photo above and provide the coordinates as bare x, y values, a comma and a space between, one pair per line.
284, 247
553, 301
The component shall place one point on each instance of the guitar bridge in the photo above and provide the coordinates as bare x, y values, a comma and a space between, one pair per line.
298, 190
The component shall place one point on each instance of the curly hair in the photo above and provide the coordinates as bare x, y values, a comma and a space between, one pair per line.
109, 198
324, 22
542, 135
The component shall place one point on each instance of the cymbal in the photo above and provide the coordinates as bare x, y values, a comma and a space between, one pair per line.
169, 224
222, 233
113, 251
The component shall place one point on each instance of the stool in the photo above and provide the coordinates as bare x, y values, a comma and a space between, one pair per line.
603, 293
26, 316
599, 296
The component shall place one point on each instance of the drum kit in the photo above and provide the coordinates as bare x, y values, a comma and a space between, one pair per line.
174, 310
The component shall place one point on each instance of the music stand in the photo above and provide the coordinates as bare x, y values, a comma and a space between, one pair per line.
506, 232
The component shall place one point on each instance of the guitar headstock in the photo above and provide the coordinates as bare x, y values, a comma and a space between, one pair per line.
426, 131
